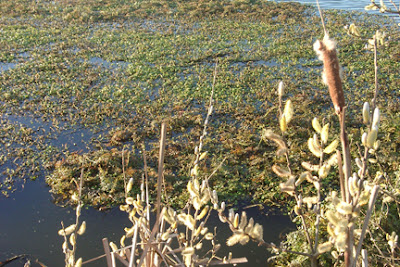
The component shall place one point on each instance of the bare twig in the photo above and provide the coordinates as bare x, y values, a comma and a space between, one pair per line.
371, 204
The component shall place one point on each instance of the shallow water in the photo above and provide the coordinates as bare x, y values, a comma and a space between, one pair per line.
357, 5
30, 222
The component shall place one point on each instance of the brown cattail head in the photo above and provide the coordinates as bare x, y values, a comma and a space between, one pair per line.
326, 51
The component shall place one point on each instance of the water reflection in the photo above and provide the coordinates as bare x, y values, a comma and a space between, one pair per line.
30, 221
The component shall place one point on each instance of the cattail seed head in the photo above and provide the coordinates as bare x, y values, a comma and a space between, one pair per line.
326, 51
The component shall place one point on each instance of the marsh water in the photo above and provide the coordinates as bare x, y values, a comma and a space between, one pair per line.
30, 220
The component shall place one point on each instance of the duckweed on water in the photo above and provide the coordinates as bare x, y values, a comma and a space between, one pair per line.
114, 66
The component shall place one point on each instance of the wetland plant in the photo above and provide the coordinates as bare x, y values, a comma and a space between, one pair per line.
332, 223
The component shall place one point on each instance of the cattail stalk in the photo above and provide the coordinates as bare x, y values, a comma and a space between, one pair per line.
326, 51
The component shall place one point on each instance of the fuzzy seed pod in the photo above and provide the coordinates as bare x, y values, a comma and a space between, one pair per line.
209, 236
372, 136
214, 196
129, 200
257, 232
280, 89
316, 150
331, 147
325, 133
310, 167
191, 189
188, 251
301, 178
203, 213
199, 246
323, 171
222, 206
244, 239
359, 163
344, 208
376, 118
249, 226
69, 230
280, 171
221, 218
82, 228
288, 187
204, 231
288, 111
113, 246
129, 186
270, 135
315, 124
364, 138
324, 247
78, 263
326, 51
198, 230
231, 215
366, 115
72, 239
333, 219
129, 232
78, 210
233, 240
203, 155
236, 221
243, 220
122, 241
283, 124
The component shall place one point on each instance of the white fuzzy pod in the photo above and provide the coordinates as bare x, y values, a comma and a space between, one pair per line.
366, 115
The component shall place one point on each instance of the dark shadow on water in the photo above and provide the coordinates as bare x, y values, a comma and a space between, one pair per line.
30, 221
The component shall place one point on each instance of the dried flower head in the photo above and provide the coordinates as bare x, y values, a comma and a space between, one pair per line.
326, 51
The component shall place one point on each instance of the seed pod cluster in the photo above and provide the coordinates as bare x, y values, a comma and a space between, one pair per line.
243, 229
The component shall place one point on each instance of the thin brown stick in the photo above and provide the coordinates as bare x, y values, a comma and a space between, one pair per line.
322, 18
376, 75
371, 204
161, 167
107, 252
155, 229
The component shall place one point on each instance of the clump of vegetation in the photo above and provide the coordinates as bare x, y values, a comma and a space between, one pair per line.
104, 178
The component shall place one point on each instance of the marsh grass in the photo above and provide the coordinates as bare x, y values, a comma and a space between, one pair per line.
167, 55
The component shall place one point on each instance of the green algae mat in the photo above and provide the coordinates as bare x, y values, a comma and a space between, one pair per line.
87, 84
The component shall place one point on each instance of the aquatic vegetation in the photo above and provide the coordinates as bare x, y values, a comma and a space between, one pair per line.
115, 66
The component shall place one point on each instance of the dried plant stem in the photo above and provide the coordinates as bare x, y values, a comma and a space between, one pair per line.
305, 228
346, 155
376, 75
134, 240
322, 18
161, 167
341, 174
123, 171
146, 176
371, 204
364, 258
156, 226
